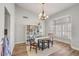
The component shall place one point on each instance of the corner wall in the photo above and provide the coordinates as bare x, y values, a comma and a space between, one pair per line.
22, 22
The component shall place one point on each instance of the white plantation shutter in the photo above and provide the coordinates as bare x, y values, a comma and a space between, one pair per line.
63, 27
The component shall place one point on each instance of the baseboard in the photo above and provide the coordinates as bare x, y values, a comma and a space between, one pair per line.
73, 47
12, 50
19, 42
62, 41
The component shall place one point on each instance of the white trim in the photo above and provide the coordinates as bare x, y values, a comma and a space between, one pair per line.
62, 41
12, 50
19, 42
75, 48
62, 17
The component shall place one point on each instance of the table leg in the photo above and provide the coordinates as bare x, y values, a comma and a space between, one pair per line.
38, 44
42, 45
48, 43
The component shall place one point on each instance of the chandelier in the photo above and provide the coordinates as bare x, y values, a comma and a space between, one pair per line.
42, 15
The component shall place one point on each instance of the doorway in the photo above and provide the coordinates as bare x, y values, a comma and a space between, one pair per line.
7, 22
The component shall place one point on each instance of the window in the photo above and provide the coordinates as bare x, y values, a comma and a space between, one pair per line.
63, 27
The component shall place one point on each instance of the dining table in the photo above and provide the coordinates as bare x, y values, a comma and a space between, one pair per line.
43, 42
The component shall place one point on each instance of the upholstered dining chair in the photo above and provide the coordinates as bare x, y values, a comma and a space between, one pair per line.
51, 36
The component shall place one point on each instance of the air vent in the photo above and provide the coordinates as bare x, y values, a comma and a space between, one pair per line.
25, 17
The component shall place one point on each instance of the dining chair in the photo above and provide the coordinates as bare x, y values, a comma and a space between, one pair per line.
33, 45
51, 36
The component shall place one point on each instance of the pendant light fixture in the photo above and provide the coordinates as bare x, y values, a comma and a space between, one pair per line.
42, 15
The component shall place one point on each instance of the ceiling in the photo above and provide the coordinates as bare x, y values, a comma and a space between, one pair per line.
50, 8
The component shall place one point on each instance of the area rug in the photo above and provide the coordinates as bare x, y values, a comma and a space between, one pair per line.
45, 52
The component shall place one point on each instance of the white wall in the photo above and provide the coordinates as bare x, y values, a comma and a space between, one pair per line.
21, 22
42, 28
49, 26
11, 10
74, 13
1, 21
7, 22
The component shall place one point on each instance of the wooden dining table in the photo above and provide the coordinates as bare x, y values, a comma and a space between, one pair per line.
41, 38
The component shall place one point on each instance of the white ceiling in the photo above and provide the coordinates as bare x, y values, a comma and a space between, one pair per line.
50, 8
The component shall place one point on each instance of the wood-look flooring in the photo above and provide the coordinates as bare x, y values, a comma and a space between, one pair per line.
20, 50
65, 50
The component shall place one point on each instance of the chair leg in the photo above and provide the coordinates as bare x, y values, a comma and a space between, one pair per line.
39, 48
30, 48
39, 44
36, 49
43, 45
48, 43
52, 43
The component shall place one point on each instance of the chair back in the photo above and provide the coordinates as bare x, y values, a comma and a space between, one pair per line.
50, 35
